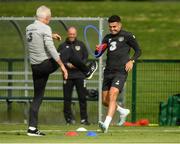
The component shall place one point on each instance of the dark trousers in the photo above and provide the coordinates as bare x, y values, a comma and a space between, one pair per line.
81, 91
40, 73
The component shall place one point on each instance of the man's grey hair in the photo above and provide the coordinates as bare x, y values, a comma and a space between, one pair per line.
43, 12
72, 27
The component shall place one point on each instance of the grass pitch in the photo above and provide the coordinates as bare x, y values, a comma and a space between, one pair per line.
16, 133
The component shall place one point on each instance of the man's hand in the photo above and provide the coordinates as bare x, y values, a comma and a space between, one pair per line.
97, 47
101, 47
64, 71
129, 66
56, 36
62, 67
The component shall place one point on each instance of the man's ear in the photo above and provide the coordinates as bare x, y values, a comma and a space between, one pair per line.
120, 25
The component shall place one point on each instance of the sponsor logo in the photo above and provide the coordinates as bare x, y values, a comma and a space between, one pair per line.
117, 82
113, 46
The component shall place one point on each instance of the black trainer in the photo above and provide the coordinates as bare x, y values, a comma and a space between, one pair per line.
85, 122
35, 132
92, 68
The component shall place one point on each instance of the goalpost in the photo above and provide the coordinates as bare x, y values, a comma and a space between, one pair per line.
19, 81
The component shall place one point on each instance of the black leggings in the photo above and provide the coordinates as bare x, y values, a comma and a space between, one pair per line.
40, 73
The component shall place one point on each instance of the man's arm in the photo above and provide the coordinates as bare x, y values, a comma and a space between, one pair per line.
137, 52
100, 49
134, 44
53, 52
63, 69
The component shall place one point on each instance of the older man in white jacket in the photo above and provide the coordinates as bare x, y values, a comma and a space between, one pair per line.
44, 60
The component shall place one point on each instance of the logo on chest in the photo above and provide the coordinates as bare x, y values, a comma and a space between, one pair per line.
121, 38
77, 48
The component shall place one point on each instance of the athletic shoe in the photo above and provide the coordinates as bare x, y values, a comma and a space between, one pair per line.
102, 127
92, 68
35, 132
85, 122
123, 117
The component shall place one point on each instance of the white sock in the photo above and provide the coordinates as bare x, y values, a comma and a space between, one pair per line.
107, 121
32, 128
120, 109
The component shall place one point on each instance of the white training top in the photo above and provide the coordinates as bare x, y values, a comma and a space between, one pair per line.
40, 42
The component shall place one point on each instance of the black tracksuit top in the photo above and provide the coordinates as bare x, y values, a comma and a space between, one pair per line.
118, 50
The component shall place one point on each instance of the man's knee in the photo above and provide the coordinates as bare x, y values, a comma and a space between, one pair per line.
113, 93
105, 98
105, 102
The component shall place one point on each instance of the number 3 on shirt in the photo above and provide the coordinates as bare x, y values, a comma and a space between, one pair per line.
29, 38
113, 46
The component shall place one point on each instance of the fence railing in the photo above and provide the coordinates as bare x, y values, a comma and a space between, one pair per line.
153, 81
14, 88
150, 82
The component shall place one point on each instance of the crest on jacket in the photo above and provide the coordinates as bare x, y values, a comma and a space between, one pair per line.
77, 48
121, 39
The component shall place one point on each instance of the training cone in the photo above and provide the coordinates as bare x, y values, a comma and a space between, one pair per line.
71, 133
127, 124
131, 124
91, 133
144, 122
81, 129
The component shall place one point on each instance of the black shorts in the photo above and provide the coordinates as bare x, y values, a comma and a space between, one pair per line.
114, 80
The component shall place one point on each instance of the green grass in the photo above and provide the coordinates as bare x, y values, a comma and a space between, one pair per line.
156, 25
55, 134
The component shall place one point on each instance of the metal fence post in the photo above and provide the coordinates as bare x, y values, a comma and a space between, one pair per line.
134, 76
18, 28
101, 21
9, 105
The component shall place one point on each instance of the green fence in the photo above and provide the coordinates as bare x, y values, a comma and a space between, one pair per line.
153, 81
150, 82
16, 94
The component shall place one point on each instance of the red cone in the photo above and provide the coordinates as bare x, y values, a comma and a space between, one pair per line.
71, 133
144, 122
